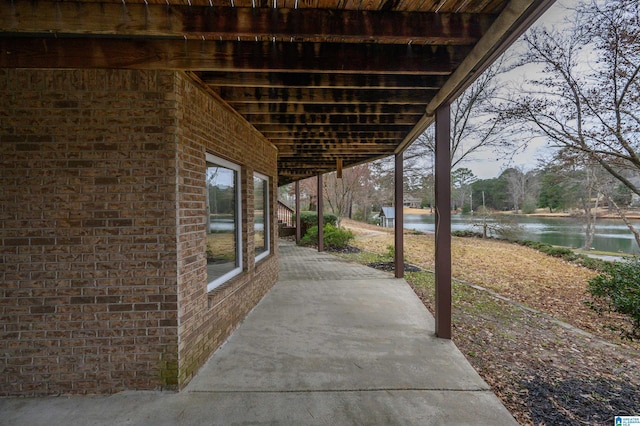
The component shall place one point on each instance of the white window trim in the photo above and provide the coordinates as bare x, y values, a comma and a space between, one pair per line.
267, 217
238, 269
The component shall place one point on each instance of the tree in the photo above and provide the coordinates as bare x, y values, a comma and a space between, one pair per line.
342, 193
523, 187
461, 180
475, 124
491, 192
587, 98
552, 192
309, 194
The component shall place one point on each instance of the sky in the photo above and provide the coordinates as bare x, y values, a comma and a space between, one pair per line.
486, 165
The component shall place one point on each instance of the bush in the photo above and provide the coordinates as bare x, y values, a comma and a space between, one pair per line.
548, 249
334, 238
466, 234
310, 219
618, 289
591, 262
561, 252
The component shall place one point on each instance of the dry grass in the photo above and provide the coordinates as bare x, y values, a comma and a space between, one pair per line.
520, 273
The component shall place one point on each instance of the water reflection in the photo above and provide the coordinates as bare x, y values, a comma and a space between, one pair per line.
611, 235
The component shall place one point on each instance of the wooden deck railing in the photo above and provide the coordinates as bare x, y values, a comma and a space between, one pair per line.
285, 214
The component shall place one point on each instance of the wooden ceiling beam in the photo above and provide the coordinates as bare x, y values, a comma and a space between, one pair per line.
160, 20
329, 108
193, 55
329, 159
321, 80
315, 163
269, 130
310, 144
328, 166
235, 95
302, 137
325, 119
335, 153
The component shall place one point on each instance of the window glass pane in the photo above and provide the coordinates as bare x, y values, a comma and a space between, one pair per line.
261, 214
222, 221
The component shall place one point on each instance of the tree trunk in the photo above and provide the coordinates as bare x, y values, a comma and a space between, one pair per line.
586, 205
589, 226
625, 219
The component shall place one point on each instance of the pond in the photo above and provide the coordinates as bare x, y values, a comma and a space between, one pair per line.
611, 235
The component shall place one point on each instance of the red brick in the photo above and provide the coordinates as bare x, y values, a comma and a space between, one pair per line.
112, 197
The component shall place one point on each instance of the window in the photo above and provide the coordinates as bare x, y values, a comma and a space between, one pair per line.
224, 230
261, 215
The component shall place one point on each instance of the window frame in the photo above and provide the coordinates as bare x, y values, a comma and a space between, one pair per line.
210, 158
266, 215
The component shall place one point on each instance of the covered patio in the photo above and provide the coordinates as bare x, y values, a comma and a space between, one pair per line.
332, 343
117, 117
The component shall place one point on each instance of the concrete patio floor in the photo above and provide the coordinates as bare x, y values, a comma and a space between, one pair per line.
333, 343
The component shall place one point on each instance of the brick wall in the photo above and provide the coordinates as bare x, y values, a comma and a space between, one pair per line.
87, 224
207, 319
102, 256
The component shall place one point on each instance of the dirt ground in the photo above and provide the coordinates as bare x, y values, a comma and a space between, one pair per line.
550, 358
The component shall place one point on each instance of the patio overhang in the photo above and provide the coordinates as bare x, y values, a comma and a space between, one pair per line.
328, 82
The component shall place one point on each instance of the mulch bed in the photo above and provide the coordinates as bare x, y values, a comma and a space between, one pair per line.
345, 250
391, 266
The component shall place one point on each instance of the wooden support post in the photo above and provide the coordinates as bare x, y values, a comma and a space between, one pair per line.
298, 221
339, 168
320, 216
443, 223
399, 222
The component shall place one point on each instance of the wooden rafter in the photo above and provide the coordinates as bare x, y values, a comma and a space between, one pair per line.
332, 136
322, 80
321, 96
330, 119
337, 144
80, 52
276, 129
328, 108
161, 20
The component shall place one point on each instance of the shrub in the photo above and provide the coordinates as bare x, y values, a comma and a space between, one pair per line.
391, 251
310, 219
548, 249
334, 238
591, 262
618, 289
466, 234
534, 244
561, 252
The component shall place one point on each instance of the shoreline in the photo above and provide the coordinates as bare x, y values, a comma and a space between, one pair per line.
633, 215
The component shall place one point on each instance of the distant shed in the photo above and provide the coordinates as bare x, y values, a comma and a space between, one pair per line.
387, 217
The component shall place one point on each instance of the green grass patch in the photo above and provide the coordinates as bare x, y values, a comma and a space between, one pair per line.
363, 257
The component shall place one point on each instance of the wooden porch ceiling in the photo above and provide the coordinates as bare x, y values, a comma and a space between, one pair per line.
321, 79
